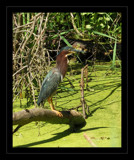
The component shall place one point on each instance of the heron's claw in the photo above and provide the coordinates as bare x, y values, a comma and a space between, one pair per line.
58, 113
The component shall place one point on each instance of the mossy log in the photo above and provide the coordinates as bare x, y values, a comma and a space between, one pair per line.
73, 118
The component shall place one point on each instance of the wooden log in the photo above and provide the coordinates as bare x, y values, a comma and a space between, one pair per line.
73, 118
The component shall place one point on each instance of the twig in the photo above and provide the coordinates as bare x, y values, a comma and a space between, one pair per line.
29, 34
73, 23
22, 26
39, 39
84, 105
32, 89
82, 93
89, 140
26, 25
41, 20
37, 15
28, 59
20, 70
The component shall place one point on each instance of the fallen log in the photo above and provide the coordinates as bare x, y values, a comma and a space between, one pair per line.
73, 118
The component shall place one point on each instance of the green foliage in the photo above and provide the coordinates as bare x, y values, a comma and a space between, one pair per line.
114, 50
87, 22
102, 34
107, 23
114, 55
64, 39
37, 37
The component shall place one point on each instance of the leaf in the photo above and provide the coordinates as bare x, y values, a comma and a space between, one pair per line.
65, 40
114, 55
104, 35
88, 26
62, 33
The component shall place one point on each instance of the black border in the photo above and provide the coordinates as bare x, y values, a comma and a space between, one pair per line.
9, 10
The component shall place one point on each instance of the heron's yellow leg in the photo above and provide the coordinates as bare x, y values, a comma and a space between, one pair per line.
50, 101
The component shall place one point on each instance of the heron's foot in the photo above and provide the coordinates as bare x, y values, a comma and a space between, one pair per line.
58, 113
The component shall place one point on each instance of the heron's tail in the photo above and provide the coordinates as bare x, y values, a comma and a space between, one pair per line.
38, 102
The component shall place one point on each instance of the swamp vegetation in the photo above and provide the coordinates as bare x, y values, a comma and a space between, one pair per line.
37, 38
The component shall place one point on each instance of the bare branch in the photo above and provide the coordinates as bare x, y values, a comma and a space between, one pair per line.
20, 70
73, 23
29, 34
73, 118
89, 140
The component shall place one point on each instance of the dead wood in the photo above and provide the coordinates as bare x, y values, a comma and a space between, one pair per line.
89, 140
84, 73
73, 118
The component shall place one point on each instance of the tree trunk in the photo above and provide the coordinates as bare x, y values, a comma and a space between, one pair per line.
73, 118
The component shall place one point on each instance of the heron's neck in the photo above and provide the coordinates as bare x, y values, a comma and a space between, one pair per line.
61, 64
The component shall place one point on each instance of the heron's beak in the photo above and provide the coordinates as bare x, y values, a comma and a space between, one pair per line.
70, 53
77, 50
72, 50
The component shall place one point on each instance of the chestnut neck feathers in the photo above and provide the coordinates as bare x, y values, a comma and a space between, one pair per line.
61, 62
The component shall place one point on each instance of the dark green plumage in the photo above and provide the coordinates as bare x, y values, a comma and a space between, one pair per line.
50, 85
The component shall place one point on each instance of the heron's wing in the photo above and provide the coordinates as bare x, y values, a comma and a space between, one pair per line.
50, 84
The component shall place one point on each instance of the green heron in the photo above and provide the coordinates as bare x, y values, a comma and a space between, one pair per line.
55, 76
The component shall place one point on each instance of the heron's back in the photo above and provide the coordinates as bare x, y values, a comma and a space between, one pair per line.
49, 85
